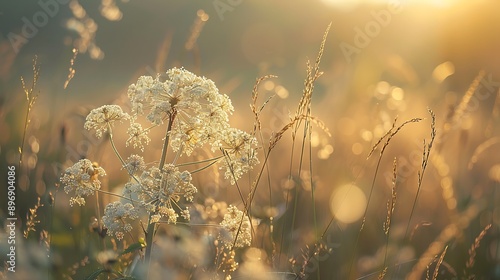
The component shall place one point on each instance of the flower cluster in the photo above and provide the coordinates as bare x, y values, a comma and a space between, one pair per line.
102, 118
239, 150
138, 136
161, 190
135, 164
196, 115
193, 105
83, 179
238, 226
115, 218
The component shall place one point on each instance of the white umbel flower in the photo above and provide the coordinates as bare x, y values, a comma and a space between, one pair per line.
103, 117
240, 153
116, 218
161, 190
231, 223
193, 105
82, 179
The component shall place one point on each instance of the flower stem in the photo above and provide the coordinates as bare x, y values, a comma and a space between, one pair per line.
165, 144
151, 226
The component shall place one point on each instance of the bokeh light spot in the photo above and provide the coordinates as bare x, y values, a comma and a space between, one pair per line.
348, 203
281, 91
398, 93
494, 173
443, 71
357, 148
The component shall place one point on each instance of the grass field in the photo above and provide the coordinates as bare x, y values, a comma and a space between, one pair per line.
250, 140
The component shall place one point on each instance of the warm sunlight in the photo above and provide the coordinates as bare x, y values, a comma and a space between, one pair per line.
233, 139
349, 4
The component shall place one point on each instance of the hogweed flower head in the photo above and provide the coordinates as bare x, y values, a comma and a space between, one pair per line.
135, 164
116, 216
239, 148
160, 190
231, 222
193, 104
83, 179
101, 118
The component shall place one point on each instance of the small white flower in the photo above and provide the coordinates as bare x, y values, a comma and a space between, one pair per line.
231, 222
161, 190
240, 153
103, 117
138, 136
116, 217
135, 164
185, 214
83, 179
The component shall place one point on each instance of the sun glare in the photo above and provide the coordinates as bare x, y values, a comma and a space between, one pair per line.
350, 4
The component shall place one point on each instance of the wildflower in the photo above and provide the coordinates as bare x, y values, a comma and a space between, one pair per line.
140, 92
135, 164
131, 187
185, 214
103, 117
239, 148
82, 178
188, 136
115, 218
160, 190
138, 137
169, 213
193, 104
231, 222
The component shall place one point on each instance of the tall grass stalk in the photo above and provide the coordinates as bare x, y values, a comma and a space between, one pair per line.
391, 204
421, 172
425, 159
438, 264
449, 232
31, 98
388, 135
258, 127
303, 109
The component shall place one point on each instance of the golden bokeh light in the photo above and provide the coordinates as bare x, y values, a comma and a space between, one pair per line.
357, 148
443, 71
281, 91
350, 4
348, 203
397, 93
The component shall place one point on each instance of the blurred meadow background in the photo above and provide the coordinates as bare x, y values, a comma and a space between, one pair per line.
381, 60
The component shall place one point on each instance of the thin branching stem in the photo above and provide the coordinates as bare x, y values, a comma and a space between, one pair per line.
151, 226
31, 98
215, 159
